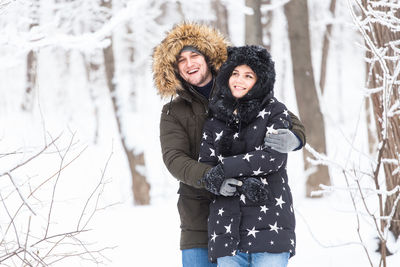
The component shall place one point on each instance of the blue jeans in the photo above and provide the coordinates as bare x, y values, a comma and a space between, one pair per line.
196, 257
266, 259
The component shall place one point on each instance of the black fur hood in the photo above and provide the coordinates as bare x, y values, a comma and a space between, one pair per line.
223, 103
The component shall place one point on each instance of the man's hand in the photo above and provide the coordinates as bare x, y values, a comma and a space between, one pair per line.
283, 141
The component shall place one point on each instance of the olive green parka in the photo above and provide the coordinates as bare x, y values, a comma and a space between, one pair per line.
182, 121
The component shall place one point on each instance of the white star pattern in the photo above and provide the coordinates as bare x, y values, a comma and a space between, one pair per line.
255, 127
264, 181
233, 253
220, 211
292, 242
199, 159
252, 232
264, 209
272, 242
228, 229
205, 136
236, 135
259, 218
273, 227
280, 165
257, 172
279, 201
258, 148
243, 198
219, 135
213, 236
212, 152
271, 130
262, 113
247, 157
272, 159
220, 158
285, 113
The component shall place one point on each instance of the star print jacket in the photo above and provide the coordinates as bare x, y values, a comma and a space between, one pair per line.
181, 125
235, 140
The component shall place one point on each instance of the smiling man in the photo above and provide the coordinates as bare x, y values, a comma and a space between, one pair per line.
185, 64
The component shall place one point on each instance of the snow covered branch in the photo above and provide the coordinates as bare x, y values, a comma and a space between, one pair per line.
32, 238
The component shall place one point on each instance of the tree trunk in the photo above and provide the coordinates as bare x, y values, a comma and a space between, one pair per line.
31, 63
253, 24
221, 14
92, 76
267, 25
140, 187
381, 36
325, 48
297, 16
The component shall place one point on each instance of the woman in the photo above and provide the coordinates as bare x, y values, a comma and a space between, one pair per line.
251, 220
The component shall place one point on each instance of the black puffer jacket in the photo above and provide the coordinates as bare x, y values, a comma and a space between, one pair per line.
236, 141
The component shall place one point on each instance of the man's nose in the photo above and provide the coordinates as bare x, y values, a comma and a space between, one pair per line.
189, 62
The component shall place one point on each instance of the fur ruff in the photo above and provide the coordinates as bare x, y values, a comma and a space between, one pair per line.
207, 40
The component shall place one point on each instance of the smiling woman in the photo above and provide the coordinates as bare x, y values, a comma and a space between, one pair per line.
242, 80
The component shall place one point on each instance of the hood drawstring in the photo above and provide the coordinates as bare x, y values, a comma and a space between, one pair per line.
169, 106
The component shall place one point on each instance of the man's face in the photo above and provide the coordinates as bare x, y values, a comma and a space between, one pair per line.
193, 68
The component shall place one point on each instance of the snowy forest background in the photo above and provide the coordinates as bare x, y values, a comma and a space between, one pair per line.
82, 182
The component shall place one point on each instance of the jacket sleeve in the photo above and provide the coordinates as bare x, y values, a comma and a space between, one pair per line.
175, 146
298, 129
261, 162
207, 152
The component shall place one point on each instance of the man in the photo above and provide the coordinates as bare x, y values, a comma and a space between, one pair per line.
185, 64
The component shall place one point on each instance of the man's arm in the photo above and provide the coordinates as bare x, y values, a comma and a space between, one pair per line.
298, 128
175, 146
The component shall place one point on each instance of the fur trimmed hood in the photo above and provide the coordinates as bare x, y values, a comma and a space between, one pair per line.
259, 60
205, 39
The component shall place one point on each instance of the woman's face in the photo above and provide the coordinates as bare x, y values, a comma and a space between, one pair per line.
242, 80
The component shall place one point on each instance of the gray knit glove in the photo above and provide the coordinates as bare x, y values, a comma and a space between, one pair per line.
228, 187
215, 182
282, 141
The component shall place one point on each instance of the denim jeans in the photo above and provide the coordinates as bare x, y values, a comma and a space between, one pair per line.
264, 259
196, 257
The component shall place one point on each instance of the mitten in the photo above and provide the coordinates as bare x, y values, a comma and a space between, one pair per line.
254, 190
213, 179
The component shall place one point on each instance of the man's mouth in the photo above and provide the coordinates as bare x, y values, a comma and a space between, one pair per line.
192, 71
